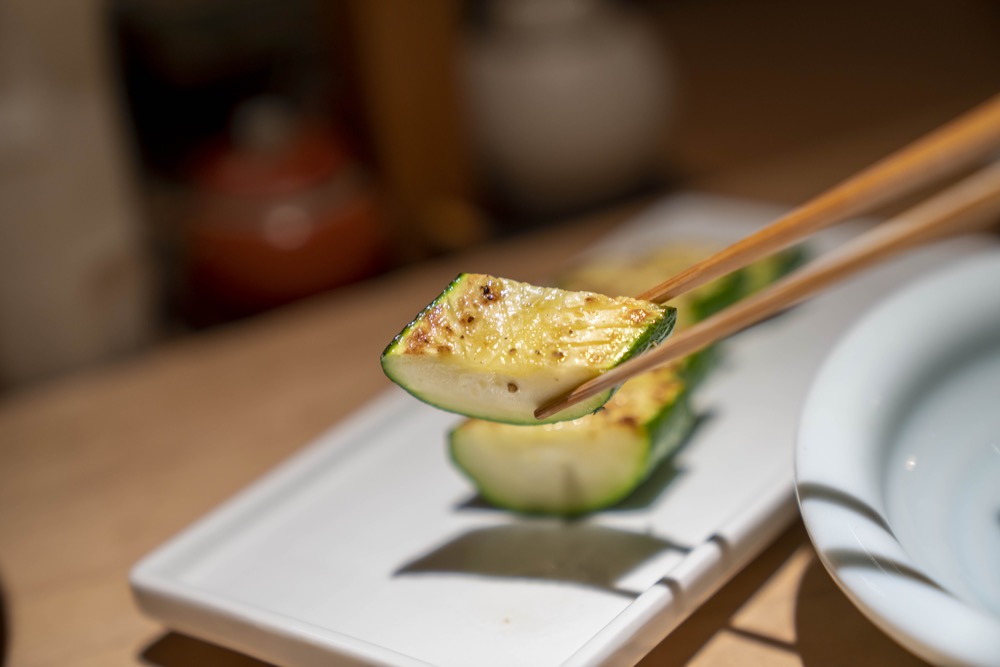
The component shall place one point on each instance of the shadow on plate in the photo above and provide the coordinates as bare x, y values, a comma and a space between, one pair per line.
812, 491
571, 552
177, 650
862, 559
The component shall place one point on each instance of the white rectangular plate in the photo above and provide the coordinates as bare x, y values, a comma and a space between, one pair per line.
368, 547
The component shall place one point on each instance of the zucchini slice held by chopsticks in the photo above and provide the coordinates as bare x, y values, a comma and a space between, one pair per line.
496, 349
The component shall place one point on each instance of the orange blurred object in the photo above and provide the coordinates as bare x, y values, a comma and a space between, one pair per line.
281, 212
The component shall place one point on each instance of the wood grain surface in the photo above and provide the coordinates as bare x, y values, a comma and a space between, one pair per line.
100, 468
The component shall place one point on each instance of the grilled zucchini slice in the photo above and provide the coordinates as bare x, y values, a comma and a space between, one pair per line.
496, 349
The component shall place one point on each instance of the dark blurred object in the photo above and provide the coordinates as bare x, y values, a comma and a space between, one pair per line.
187, 64
254, 185
279, 210
569, 100
759, 81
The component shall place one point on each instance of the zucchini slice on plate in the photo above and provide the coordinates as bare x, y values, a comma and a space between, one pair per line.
581, 465
496, 349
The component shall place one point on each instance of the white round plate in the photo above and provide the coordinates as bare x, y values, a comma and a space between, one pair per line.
898, 464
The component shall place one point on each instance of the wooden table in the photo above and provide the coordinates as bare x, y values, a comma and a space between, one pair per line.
98, 469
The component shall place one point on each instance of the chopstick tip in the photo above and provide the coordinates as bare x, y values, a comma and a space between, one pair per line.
550, 408
559, 403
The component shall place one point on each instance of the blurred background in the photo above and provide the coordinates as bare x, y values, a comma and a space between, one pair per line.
170, 166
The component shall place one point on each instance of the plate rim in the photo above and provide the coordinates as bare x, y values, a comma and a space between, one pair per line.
829, 513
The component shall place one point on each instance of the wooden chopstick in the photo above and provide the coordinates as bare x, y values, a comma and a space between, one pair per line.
971, 137
965, 206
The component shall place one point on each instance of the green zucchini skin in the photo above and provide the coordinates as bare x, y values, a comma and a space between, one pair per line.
579, 466
496, 349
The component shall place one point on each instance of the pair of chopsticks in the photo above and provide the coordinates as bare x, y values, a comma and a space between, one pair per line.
963, 207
